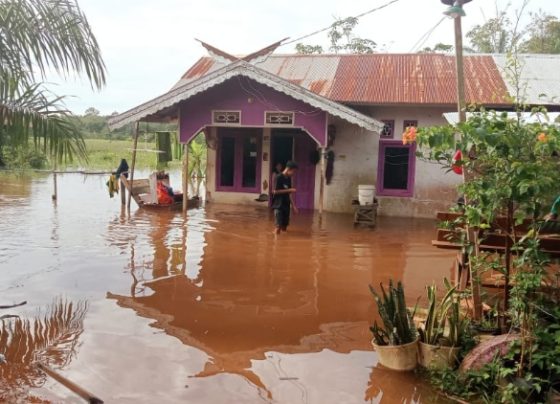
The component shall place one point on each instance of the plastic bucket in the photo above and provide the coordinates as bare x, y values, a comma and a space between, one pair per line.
437, 357
398, 357
366, 194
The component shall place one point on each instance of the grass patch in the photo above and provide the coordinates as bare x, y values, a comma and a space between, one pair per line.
106, 154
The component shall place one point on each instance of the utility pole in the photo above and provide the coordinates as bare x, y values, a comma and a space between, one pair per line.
461, 103
456, 12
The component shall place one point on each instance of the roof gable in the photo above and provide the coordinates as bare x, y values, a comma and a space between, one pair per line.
242, 68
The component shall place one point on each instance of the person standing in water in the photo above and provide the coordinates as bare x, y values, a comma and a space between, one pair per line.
282, 197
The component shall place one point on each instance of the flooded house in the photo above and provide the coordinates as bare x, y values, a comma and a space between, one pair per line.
340, 117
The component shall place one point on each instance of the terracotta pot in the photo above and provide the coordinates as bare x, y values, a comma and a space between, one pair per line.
398, 357
437, 356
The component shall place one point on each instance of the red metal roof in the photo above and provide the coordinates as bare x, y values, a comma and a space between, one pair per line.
382, 78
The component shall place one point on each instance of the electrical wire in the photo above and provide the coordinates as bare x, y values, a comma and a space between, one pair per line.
424, 38
330, 26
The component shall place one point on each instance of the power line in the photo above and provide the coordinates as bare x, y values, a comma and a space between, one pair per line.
424, 38
330, 26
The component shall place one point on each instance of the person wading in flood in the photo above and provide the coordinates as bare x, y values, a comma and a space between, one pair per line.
282, 197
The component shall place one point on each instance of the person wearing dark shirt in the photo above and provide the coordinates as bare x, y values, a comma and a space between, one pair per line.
282, 197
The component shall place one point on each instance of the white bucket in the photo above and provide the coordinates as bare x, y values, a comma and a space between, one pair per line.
366, 194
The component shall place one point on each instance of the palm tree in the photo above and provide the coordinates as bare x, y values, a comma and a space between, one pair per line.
36, 37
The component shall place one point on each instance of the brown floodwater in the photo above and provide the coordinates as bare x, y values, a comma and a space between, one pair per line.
152, 307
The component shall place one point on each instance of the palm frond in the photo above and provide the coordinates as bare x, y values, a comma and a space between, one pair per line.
30, 112
38, 35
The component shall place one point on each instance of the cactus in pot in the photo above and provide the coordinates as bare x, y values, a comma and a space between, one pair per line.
396, 339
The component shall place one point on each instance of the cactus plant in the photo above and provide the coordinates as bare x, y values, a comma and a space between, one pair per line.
398, 327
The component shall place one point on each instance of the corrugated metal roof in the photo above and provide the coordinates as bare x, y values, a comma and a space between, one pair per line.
383, 78
539, 78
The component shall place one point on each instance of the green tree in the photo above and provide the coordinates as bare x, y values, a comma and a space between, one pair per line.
37, 36
438, 48
342, 39
303, 49
543, 34
494, 36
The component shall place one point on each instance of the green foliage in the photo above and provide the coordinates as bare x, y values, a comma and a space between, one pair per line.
511, 170
476, 386
37, 36
342, 40
197, 157
438, 48
543, 34
398, 326
504, 34
444, 323
303, 49
496, 35
515, 161
24, 157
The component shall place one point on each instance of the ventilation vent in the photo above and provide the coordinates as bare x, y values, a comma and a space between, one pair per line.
226, 117
279, 118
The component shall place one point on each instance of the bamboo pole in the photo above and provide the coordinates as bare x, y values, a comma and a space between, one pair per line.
135, 147
83, 393
185, 177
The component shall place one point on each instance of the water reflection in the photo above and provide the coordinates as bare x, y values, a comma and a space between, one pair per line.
51, 339
223, 284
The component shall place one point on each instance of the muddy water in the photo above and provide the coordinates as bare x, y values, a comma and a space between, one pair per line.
211, 309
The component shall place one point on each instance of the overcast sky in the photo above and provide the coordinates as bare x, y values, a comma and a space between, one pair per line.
148, 44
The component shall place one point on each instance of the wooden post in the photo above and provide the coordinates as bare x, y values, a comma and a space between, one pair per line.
135, 147
55, 185
185, 177
123, 191
322, 182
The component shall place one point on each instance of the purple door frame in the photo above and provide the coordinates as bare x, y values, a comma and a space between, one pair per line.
304, 181
239, 134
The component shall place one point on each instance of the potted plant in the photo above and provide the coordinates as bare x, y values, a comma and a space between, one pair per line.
396, 340
442, 330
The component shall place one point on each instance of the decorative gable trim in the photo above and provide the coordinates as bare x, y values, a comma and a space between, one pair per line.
279, 118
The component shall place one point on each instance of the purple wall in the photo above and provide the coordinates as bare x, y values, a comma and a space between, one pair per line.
234, 94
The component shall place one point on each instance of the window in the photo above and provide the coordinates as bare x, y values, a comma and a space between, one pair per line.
408, 123
395, 171
239, 164
388, 129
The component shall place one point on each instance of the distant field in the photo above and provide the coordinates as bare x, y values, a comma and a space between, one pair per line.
107, 154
